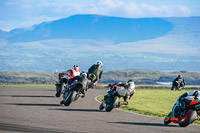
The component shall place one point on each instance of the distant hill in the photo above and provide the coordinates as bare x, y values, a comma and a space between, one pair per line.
137, 75
140, 76
162, 44
94, 27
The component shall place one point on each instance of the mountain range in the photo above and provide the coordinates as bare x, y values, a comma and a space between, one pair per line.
163, 44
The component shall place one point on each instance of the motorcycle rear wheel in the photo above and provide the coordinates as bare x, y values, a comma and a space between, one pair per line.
112, 104
188, 118
60, 89
70, 98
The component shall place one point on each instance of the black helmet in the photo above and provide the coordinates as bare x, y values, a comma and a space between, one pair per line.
180, 76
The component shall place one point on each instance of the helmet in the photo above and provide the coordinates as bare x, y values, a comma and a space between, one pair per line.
92, 76
129, 81
76, 68
84, 74
180, 76
99, 63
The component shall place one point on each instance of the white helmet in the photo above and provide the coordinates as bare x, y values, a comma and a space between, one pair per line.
99, 63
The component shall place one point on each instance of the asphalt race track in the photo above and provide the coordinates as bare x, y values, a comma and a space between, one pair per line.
37, 110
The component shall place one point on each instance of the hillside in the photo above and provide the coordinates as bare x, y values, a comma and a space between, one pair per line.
160, 44
140, 76
137, 75
94, 27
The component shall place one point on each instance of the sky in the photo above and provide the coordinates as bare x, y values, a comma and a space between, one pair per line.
26, 13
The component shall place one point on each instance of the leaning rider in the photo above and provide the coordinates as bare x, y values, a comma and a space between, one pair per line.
181, 101
73, 72
80, 78
95, 72
128, 86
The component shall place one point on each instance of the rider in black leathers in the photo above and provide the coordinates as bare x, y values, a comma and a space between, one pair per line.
178, 82
95, 71
82, 78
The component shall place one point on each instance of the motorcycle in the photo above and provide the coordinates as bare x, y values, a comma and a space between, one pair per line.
176, 86
60, 85
185, 114
112, 100
73, 93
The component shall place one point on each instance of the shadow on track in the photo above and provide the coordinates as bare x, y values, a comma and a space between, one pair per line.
32, 96
6, 127
78, 110
145, 124
31, 104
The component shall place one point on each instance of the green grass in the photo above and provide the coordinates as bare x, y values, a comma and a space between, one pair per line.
29, 85
153, 102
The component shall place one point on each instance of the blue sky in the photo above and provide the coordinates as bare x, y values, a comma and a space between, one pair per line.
25, 13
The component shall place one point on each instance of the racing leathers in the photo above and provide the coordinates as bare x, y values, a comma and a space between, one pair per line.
178, 82
96, 72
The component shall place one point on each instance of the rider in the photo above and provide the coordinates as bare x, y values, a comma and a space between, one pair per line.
74, 71
128, 86
71, 72
80, 78
95, 72
179, 81
181, 100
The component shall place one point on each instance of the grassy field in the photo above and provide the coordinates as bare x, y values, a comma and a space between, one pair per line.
153, 101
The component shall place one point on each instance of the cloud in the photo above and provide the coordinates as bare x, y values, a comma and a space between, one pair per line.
25, 13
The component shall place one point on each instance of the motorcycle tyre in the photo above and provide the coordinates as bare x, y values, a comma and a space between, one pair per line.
70, 98
60, 91
167, 119
189, 120
113, 104
101, 107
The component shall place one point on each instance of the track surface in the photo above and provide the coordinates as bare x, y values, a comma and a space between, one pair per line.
37, 110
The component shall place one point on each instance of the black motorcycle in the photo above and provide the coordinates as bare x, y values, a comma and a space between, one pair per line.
73, 93
112, 99
60, 85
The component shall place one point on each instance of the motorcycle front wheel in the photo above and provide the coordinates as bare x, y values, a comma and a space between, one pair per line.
167, 119
101, 107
